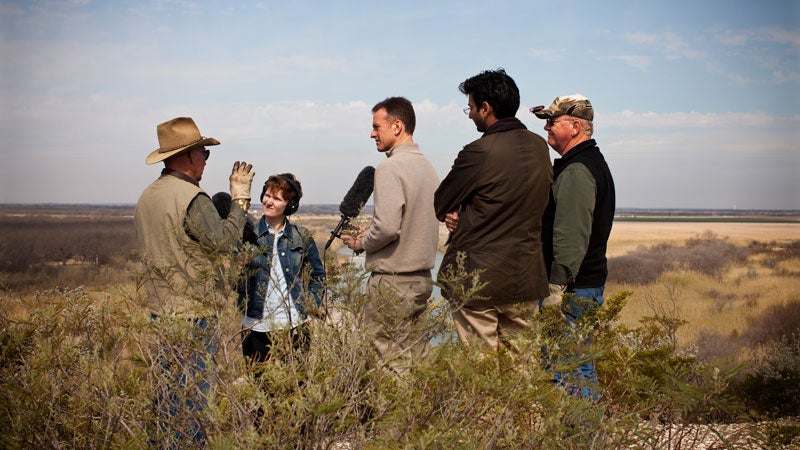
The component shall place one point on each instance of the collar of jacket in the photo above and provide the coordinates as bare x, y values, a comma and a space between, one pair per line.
573, 152
405, 147
263, 228
505, 124
179, 175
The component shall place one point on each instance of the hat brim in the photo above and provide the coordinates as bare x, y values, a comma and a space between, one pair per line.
158, 155
544, 114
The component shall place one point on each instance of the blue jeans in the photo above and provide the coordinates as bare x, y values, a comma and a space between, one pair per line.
581, 381
187, 367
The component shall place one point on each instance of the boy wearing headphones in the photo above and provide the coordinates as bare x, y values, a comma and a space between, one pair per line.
285, 281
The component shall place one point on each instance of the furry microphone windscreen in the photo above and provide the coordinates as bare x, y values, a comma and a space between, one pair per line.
359, 193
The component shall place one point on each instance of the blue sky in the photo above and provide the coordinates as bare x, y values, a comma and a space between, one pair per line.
697, 102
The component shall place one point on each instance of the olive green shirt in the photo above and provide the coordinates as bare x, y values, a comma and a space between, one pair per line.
574, 191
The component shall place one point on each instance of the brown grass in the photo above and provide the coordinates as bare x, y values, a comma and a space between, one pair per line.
627, 236
719, 307
742, 303
87, 246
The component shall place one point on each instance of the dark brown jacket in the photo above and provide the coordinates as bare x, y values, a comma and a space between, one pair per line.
500, 185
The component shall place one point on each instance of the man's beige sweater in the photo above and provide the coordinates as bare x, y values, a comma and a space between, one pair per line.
404, 233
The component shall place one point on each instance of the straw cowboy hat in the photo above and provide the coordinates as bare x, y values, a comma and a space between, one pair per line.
175, 136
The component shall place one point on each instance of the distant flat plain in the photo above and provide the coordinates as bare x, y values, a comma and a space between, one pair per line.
626, 236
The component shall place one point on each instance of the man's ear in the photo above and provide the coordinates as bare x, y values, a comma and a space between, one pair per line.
485, 106
397, 127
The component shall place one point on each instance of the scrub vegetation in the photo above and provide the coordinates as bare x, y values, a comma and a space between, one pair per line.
697, 346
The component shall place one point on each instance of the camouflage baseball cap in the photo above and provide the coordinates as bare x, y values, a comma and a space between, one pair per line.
572, 105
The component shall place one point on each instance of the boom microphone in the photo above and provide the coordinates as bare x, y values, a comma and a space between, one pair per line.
353, 201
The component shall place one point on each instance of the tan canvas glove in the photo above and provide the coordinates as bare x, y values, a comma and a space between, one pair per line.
241, 179
556, 295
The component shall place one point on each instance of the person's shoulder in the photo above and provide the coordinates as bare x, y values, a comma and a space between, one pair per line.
532, 136
479, 145
299, 230
577, 171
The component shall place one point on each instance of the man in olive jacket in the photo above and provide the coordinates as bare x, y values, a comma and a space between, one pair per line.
492, 202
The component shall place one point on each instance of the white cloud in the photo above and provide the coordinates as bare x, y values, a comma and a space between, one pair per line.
743, 37
668, 43
696, 120
547, 54
639, 62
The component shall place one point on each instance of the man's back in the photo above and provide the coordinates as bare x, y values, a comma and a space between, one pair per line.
499, 184
172, 259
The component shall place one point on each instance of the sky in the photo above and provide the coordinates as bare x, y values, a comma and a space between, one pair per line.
697, 102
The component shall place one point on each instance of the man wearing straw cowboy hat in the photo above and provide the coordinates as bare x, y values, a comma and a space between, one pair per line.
177, 225
182, 240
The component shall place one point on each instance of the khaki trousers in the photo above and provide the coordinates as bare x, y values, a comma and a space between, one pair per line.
492, 323
396, 301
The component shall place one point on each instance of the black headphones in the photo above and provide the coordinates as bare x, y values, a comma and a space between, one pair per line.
292, 206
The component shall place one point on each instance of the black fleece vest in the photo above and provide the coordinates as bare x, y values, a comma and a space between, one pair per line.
594, 269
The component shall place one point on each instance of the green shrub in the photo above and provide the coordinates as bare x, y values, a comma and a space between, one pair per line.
82, 374
772, 386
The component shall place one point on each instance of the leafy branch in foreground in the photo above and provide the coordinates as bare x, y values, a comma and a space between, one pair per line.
80, 372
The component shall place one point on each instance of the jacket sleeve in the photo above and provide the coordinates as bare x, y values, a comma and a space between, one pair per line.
574, 192
204, 224
457, 187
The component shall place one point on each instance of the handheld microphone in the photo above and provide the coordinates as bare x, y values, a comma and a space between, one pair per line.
353, 201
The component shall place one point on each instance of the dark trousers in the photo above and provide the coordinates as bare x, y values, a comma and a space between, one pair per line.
257, 345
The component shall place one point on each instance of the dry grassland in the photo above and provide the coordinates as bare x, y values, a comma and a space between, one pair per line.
626, 236
725, 304
717, 309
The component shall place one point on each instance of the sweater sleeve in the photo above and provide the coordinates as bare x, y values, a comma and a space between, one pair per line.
574, 191
389, 202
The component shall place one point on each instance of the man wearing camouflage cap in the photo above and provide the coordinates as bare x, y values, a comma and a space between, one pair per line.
577, 222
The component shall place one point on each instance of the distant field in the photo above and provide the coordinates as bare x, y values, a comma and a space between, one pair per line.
626, 236
632, 228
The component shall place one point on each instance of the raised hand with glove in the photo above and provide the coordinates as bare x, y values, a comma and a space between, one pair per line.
241, 180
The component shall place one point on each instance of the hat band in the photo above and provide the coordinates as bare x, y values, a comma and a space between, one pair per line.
166, 150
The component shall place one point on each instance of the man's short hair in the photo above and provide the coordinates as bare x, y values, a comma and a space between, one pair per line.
496, 88
399, 108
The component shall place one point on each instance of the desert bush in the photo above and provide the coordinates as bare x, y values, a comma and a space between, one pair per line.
773, 323
772, 387
644, 370
65, 381
710, 254
640, 266
713, 345
82, 374
707, 254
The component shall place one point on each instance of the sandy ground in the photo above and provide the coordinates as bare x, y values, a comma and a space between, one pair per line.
626, 236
